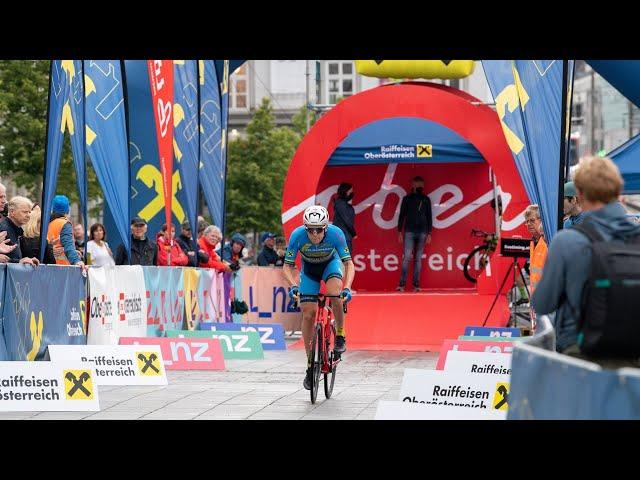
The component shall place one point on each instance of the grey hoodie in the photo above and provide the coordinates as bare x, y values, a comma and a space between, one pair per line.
567, 267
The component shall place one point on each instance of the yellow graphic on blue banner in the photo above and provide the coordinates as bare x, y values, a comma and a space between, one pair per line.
445, 69
512, 97
501, 397
149, 364
424, 150
35, 327
78, 385
152, 178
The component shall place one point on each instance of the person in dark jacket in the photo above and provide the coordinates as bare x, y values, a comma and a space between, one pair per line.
18, 215
144, 251
190, 246
30, 242
232, 252
344, 214
416, 222
268, 255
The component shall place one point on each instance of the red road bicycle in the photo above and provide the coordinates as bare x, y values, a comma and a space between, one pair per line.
323, 358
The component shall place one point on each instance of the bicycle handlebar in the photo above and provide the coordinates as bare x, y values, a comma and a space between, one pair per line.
319, 295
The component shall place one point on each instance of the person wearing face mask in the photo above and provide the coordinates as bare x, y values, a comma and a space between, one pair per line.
344, 213
416, 222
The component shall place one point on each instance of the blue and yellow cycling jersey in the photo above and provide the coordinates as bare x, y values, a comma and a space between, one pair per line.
333, 245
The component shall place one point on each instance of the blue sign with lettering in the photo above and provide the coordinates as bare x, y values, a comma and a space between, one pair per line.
271, 334
492, 332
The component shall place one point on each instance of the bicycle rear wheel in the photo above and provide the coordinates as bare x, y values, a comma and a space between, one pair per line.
330, 378
316, 362
470, 271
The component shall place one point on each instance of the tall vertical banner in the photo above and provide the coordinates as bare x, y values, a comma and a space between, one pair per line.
224, 100
212, 170
107, 139
161, 80
66, 113
528, 96
186, 124
147, 190
45, 306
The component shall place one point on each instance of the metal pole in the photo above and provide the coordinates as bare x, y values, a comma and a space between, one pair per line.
593, 112
306, 111
563, 141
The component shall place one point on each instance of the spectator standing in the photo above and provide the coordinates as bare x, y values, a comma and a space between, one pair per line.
98, 251
144, 251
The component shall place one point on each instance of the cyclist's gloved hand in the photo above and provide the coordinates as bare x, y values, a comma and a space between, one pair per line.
346, 295
294, 292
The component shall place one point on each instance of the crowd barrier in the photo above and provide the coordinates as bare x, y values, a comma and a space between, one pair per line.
48, 304
546, 385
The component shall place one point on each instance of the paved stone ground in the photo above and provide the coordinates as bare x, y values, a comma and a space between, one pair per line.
258, 389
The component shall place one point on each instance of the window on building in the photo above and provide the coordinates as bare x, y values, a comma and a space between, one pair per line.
238, 89
341, 80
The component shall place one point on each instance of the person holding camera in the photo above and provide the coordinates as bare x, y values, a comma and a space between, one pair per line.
208, 243
232, 253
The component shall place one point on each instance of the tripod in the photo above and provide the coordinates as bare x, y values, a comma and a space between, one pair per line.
516, 269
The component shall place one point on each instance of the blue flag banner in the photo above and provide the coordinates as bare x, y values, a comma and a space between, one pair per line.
186, 134
233, 65
624, 75
46, 305
528, 97
59, 119
549, 386
147, 192
627, 158
77, 134
165, 299
212, 170
3, 346
106, 138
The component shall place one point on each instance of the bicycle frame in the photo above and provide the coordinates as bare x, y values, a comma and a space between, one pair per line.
324, 322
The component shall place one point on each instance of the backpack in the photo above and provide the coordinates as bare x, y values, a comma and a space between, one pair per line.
609, 323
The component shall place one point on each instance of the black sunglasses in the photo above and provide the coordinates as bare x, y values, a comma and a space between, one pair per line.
315, 230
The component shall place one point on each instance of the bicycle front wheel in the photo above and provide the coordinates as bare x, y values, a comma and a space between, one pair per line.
316, 362
470, 271
330, 378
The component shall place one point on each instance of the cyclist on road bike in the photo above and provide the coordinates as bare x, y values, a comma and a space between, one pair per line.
322, 247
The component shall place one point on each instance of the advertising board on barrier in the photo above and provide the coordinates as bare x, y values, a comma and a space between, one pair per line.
43, 308
235, 345
432, 387
478, 363
392, 410
116, 364
184, 353
118, 304
47, 386
165, 299
478, 338
492, 331
471, 346
266, 293
271, 335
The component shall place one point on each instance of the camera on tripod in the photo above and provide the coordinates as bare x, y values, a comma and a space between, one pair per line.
515, 247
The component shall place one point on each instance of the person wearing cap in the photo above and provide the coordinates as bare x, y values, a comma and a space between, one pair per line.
189, 246
572, 206
268, 255
144, 251
60, 233
232, 253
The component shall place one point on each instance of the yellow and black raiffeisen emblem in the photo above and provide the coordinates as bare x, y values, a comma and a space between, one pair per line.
148, 364
78, 385
501, 397
424, 150
289, 254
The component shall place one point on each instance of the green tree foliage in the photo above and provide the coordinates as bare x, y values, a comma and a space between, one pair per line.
24, 86
257, 167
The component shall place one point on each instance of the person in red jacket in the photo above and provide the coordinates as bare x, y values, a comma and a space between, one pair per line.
208, 242
164, 240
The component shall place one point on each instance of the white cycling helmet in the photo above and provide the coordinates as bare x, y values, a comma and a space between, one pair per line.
316, 216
